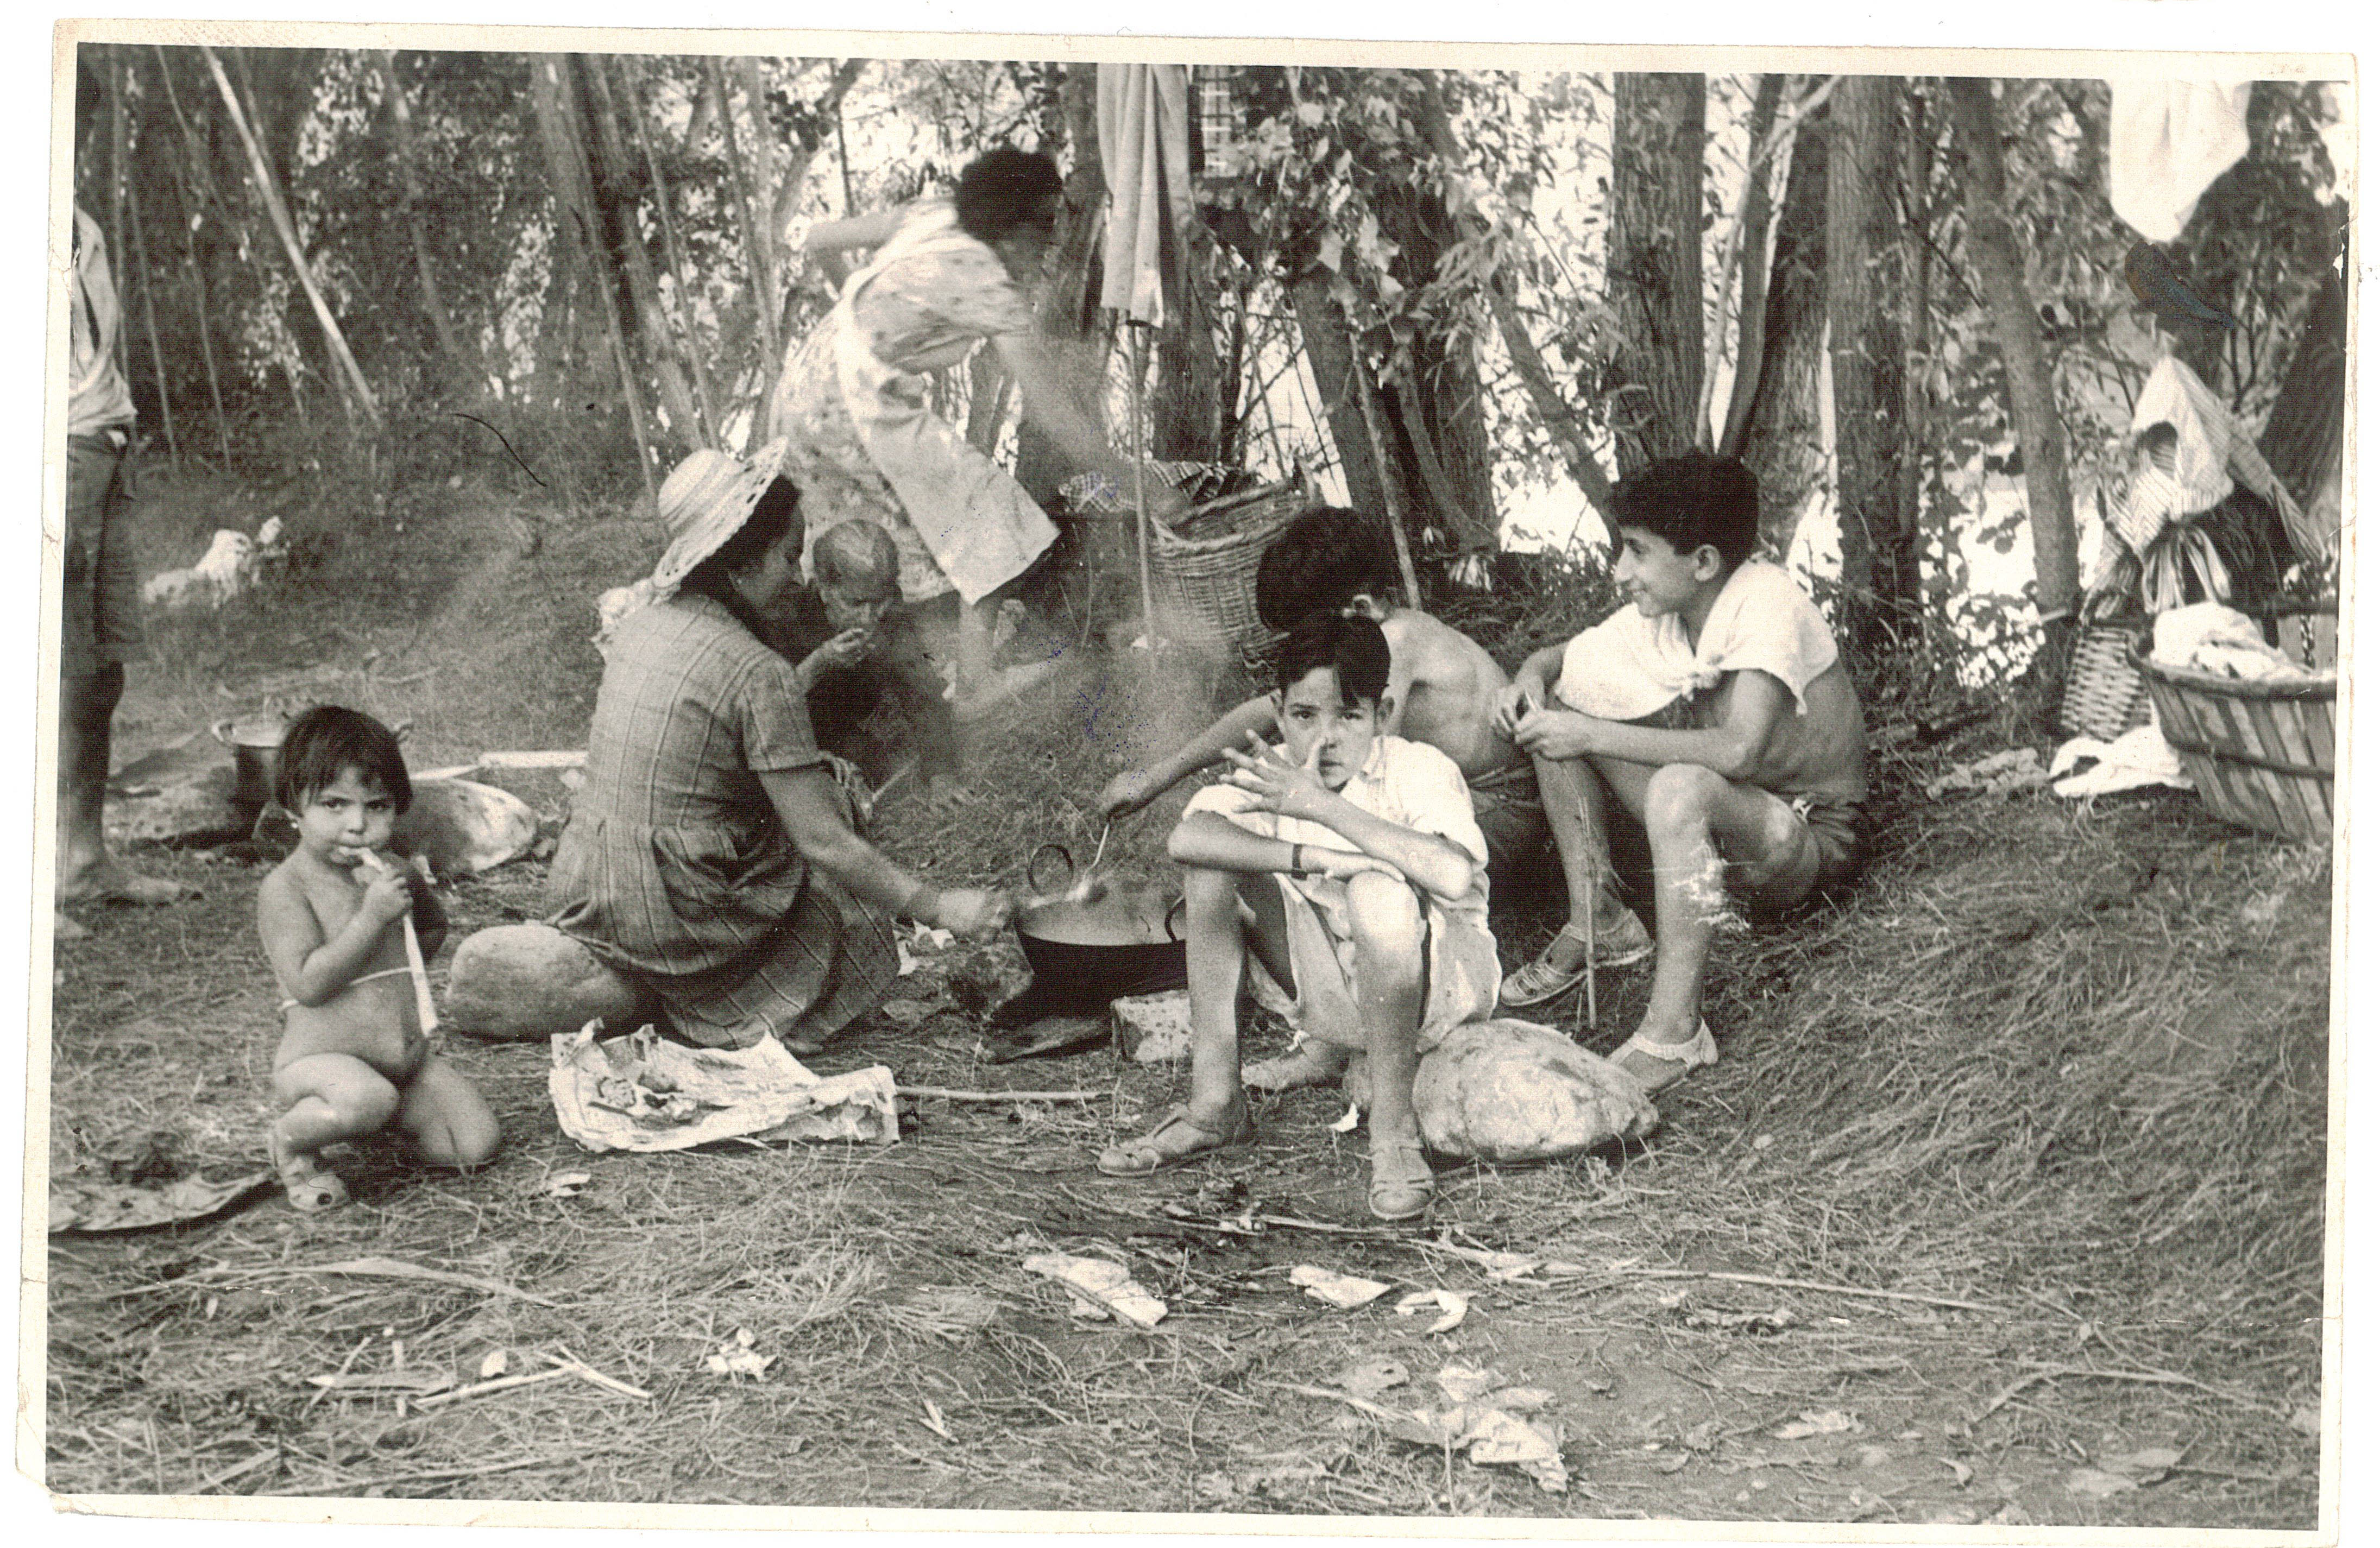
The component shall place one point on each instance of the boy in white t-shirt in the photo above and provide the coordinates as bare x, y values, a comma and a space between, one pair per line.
1350, 864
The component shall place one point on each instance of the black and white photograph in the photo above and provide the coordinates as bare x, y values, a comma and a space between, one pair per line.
1478, 787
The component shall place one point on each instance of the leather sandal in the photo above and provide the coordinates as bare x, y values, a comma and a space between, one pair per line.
1689, 1056
1153, 1152
1403, 1189
310, 1189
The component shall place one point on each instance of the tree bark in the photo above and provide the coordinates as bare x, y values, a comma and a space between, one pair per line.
1322, 329
615, 185
1916, 307
682, 273
1652, 271
467, 369
1753, 261
1864, 349
1066, 316
1783, 439
2032, 403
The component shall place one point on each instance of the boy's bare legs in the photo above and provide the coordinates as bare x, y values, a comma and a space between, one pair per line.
448, 1119
1385, 917
1710, 835
1576, 793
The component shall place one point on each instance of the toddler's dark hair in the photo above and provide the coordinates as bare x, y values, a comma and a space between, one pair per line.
1692, 500
1320, 562
326, 742
1353, 648
1005, 188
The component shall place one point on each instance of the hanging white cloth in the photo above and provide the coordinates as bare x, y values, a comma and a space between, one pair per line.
1144, 112
2166, 141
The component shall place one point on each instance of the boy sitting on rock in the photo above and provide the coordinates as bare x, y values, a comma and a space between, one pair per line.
1348, 861
1442, 691
1750, 787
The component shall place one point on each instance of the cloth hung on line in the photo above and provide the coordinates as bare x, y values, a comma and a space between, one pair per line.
1629, 666
2212, 450
1144, 113
2166, 141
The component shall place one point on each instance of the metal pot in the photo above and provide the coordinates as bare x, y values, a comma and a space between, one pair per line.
1087, 951
255, 744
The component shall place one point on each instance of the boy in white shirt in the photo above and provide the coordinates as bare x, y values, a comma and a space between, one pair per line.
1349, 864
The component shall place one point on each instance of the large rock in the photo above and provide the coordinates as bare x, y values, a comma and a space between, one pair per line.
1507, 1090
531, 981
463, 828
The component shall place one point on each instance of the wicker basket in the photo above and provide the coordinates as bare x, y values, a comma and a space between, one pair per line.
2104, 694
2260, 753
1205, 570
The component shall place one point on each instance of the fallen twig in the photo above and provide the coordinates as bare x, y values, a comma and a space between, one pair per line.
947, 1094
498, 1385
1556, 1269
585, 1372
397, 1268
1364, 1404
2154, 1378
345, 1366
237, 1470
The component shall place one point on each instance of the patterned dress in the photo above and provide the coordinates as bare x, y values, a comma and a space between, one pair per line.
675, 869
861, 440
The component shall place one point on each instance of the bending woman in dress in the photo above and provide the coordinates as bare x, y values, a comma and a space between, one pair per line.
715, 854
944, 274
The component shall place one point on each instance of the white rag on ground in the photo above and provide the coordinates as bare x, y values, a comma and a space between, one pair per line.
1629, 666
2141, 756
2166, 141
1144, 112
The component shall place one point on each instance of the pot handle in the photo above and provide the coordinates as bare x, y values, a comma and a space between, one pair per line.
1181, 910
1034, 870
222, 730
402, 730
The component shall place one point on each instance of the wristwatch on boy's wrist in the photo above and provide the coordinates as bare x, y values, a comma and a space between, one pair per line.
1297, 860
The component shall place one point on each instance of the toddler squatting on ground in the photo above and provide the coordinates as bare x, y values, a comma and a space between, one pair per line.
354, 1057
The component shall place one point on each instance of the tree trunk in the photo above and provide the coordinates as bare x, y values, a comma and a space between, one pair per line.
1322, 332
615, 185
1653, 269
1783, 437
1066, 316
469, 370
1916, 307
2032, 402
682, 274
1863, 350
761, 283
1753, 261
2303, 436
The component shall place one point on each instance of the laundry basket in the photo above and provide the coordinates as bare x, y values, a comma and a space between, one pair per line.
2106, 695
1206, 569
2260, 754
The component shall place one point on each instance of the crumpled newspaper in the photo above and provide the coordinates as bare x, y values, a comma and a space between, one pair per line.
1484, 1419
1100, 1288
643, 1093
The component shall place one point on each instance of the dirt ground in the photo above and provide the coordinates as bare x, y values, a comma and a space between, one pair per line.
1910, 1254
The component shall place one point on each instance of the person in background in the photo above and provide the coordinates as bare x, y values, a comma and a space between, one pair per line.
856, 654
944, 274
99, 628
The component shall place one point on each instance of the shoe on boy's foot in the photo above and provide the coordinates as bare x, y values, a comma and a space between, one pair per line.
1621, 942
1676, 1059
1403, 1183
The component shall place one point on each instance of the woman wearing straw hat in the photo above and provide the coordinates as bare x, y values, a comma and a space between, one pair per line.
714, 854
944, 274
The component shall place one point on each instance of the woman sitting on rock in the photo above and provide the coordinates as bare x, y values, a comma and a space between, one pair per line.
715, 855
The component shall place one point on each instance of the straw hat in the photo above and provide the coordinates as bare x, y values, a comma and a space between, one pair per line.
704, 501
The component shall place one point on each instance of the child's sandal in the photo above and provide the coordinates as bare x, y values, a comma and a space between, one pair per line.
310, 1189
1689, 1056
1403, 1189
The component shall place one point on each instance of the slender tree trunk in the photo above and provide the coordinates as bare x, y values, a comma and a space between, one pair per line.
1917, 277
1322, 329
2032, 403
188, 203
1783, 440
148, 272
279, 212
762, 281
1653, 275
615, 191
1066, 316
1863, 348
2303, 437
1751, 245
469, 370
682, 273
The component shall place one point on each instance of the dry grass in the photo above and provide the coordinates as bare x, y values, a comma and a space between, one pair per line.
2017, 1069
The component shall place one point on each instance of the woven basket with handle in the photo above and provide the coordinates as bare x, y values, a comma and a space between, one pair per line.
2260, 753
1206, 568
2104, 694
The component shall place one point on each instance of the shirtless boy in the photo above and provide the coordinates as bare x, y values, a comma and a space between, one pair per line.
353, 1056
1756, 798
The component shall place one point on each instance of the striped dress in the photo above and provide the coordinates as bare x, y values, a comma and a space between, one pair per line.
675, 869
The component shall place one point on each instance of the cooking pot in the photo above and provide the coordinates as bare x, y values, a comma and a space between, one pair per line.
1086, 951
255, 744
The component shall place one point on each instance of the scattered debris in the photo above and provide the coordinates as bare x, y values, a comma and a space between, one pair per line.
499, 1384
92, 1208
1452, 1307
1762, 1323
1344, 1291
566, 1185
2098, 1484
414, 1382
643, 1094
1346, 1122
495, 1365
1825, 1422
1100, 1288
737, 1358
1369, 1378
2000, 773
